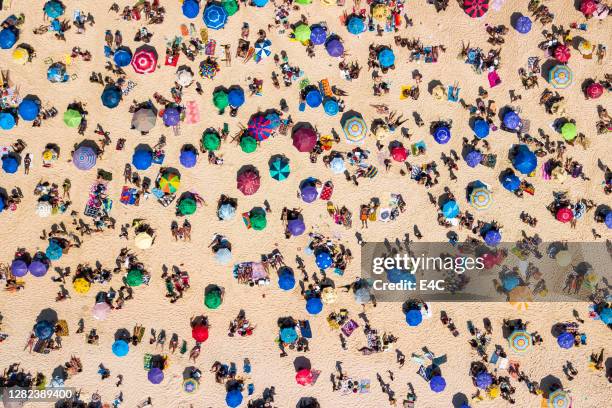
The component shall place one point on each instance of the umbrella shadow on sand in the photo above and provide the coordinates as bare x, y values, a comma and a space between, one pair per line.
460, 400
549, 384
48, 315
308, 402
301, 363
60, 372
247, 168
547, 67
123, 334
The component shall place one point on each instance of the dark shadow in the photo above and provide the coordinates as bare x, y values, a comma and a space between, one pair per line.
549, 384
547, 66
514, 18
48, 315
308, 402
123, 334
301, 363
60, 372
460, 400
432, 85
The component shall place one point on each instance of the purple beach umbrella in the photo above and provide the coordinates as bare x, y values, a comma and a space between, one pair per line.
38, 269
19, 268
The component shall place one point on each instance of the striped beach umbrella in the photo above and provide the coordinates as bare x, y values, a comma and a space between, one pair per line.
355, 128
559, 399
144, 60
481, 198
84, 158
262, 49
562, 53
475, 8
279, 169
170, 182
519, 341
560, 77
259, 127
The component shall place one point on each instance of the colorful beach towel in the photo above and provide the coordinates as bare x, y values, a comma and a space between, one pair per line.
192, 113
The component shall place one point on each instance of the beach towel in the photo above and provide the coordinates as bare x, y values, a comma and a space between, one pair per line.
192, 113
349, 327
209, 48
148, 358
494, 79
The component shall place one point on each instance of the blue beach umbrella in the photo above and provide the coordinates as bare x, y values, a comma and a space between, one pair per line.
171, 116
386, 58
608, 219
296, 227
111, 97
512, 120
481, 128
450, 209
44, 329
2, 204
437, 383
274, 119
314, 305
442, 134
10, 164
260, 3
53, 9
7, 121
396, 275
28, 109
523, 24
473, 158
190, 8
324, 260
318, 34
215, 16
525, 160
565, 340
233, 398
355, 25
510, 282
313, 98
122, 57
235, 97
54, 250
331, 106
414, 317
120, 348
142, 159
288, 335
57, 73
188, 158
492, 237
511, 182
484, 380
8, 38
606, 315
223, 256
286, 281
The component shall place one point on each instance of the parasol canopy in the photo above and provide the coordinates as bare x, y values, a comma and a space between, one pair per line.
188, 158
313, 98
323, 260
314, 305
386, 58
81, 285
330, 106
492, 237
559, 399
155, 375
355, 25
233, 398
308, 192
354, 127
122, 57
134, 278
560, 77
304, 139
235, 97
481, 198
259, 127
53, 9
483, 380
279, 168
187, 206
318, 34
211, 140
72, 118
442, 134
220, 100
525, 161
304, 377
380, 12
475, 8
248, 144
296, 227
169, 182
562, 53
144, 60
28, 109
523, 24
223, 256
248, 182
215, 16
8, 38
19, 268
414, 317
437, 383
288, 335
111, 96
7, 121
302, 32
84, 158
100, 310
120, 348
54, 250
519, 341
473, 158
171, 116
399, 153
258, 220
286, 281
337, 165
481, 128
565, 340
21, 55
190, 8
143, 241
144, 119
199, 333
594, 90
190, 385
450, 209
564, 214
568, 131
38, 268
334, 47
212, 299
588, 7
184, 76
512, 120
262, 49
231, 6
142, 158
44, 209
44, 329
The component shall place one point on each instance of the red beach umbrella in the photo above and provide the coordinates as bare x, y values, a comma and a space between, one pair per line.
248, 182
304, 377
565, 214
199, 333
588, 7
562, 53
399, 153
595, 90
144, 60
475, 8
304, 139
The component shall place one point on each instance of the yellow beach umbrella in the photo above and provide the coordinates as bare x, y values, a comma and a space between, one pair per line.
81, 285
380, 12
20, 55
493, 392
143, 241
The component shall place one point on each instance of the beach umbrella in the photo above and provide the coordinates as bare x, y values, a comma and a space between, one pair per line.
564, 214
81, 285
226, 212
142, 159
248, 182
169, 182
511, 120
19, 268
560, 76
442, 134
231, 6
303, 2
559, 398
562, 53
279, 169
386, 58
286, 281
248, 144
304, 139
134, 278
274, 118
258, 220
520, 294
8, 38
288, 335
10, 164
399, 153
84, 158
188, 158
155, 375
565, 340
144, 60
608, 220
414, 317
511, 182
187, 206
519, 341
450, 209
308, 192
44, 209
7, 121
355, 128
318, 34
260, 3
475, 8
223, 256
199, 333
396, 275
323, 260
184, 76
72, 118
100, 310
481, 198
483, 380
44, 329
122, 57
302, 32
28, 109
143, 240
510, 282
380, 12
362, 295
259, 127
314, 305
262, 49
473, 158
215, 16
111, 97
21, 55
211, 141
190, 385
2, 204
212, 299
235, 97
525, 161
337, 165
57, 73
296, 227
606, 315
120, 348
595, 90
334, 47
588, 7
38, 269
233, 398
144, 120
331, 106
313, 98
437, 383
585, 47
171, 116
54, 250
220, 100
304, 377
568, 131
355, 25
563, 258
190, 8
481, 128
492, 237
523, 24
53, 9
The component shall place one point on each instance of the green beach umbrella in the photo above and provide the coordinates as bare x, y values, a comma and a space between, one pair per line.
187, 206
220, 100
134, 277
302, 33
258, 220
568, 131
212, 299
248, 144
72, 118
230, 6
211, 141
303, 2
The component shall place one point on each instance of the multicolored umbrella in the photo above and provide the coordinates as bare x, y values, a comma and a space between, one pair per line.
380, 12
248, 182
304, 139
169, 182
279, 169
481, 198
355, 128
475, 8
84, 158
559, 398
562, 53
215, 16
190, 385
144, 60
259, 127
519, 341
262, 49
560, 76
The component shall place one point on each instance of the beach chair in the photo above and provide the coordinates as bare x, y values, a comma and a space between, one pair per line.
325, 88
453, 93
